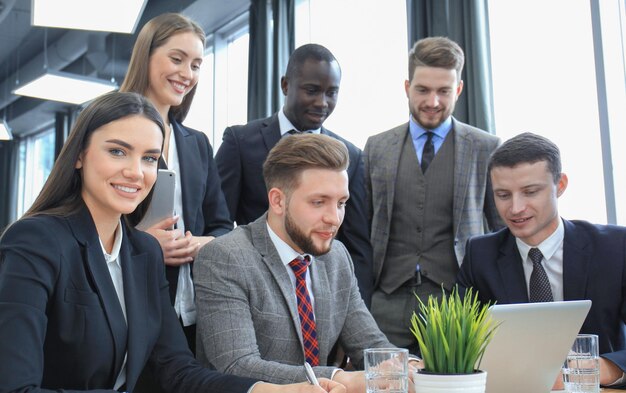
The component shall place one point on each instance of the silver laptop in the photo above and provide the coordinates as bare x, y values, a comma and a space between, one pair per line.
529, 347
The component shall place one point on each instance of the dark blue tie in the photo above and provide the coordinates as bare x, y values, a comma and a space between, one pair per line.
428, 153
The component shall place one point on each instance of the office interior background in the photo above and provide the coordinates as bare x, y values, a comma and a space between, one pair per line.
553, 67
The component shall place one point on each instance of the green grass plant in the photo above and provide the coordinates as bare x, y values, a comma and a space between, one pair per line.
453, 333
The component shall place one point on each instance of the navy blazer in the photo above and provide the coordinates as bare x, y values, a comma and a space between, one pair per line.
62, 325
204, 208
240, 161
594, 267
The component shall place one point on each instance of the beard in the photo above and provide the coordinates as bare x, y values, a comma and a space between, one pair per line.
304, 242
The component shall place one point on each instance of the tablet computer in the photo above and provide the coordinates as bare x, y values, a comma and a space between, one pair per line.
162, 204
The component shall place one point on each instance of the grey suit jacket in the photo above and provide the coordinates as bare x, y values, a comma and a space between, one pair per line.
248, 320
472, 202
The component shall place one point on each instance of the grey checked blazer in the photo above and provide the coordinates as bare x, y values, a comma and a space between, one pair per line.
248, 320
474, 211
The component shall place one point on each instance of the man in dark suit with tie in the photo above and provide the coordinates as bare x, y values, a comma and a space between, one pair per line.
542, 257
427, 188
311, 87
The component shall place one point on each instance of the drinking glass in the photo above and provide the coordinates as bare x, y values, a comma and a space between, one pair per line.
581, 370
386, 370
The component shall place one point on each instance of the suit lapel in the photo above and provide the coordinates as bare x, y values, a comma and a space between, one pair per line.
135, 290
85, 232
270, 132
392, 151
262, 242
511, 273
185, 161
576, 261
463, 146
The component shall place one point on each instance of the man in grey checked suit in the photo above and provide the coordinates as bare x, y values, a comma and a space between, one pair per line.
248, 319
427, 190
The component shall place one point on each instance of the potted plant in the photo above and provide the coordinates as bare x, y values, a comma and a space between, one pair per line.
452, 334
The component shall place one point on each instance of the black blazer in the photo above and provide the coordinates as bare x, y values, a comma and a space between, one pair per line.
594, 267
240, 161
61, 323
204, 208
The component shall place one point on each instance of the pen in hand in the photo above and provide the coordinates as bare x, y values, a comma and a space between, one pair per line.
310, 375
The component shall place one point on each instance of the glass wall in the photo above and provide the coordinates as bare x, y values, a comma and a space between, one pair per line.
369, 39
222, 95
36, 157
545, 81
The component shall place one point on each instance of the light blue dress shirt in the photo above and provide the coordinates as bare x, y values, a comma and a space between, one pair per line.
418, 134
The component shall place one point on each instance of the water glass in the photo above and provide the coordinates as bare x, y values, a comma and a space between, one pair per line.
386, 370
581, 370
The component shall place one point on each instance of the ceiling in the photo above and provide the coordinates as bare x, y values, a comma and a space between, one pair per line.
95, 54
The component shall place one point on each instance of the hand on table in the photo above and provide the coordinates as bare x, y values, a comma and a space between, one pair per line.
354, 381
326, 386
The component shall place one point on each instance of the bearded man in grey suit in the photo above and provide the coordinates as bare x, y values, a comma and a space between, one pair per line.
281, 291
427, 190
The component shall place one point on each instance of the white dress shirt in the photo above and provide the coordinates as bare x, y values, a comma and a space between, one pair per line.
185, 302
552, 250
286, 125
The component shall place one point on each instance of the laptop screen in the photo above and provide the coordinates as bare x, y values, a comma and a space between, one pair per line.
530, 345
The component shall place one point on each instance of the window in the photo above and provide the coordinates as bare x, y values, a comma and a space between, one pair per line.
613, 24
545, 81
200, 116
36, 157
372, 51
222, 95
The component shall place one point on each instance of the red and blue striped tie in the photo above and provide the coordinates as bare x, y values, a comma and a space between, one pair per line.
305, 310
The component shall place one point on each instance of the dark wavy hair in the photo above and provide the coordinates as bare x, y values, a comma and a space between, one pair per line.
61, 194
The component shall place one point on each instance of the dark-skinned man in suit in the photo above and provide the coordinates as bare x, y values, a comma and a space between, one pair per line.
311, 87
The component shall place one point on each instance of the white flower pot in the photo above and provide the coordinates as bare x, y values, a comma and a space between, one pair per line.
453, 383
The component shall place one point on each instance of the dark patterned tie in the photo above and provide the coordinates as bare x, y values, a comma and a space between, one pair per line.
540, 290
305, 311
296, 132
428, 153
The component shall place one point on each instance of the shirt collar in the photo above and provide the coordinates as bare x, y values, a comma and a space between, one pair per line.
441, 131
548, 247
117, 244
286, 125
285, 252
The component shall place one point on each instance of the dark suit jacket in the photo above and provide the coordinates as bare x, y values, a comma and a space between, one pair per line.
594, 267
61, 323
204, 208
240, 161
